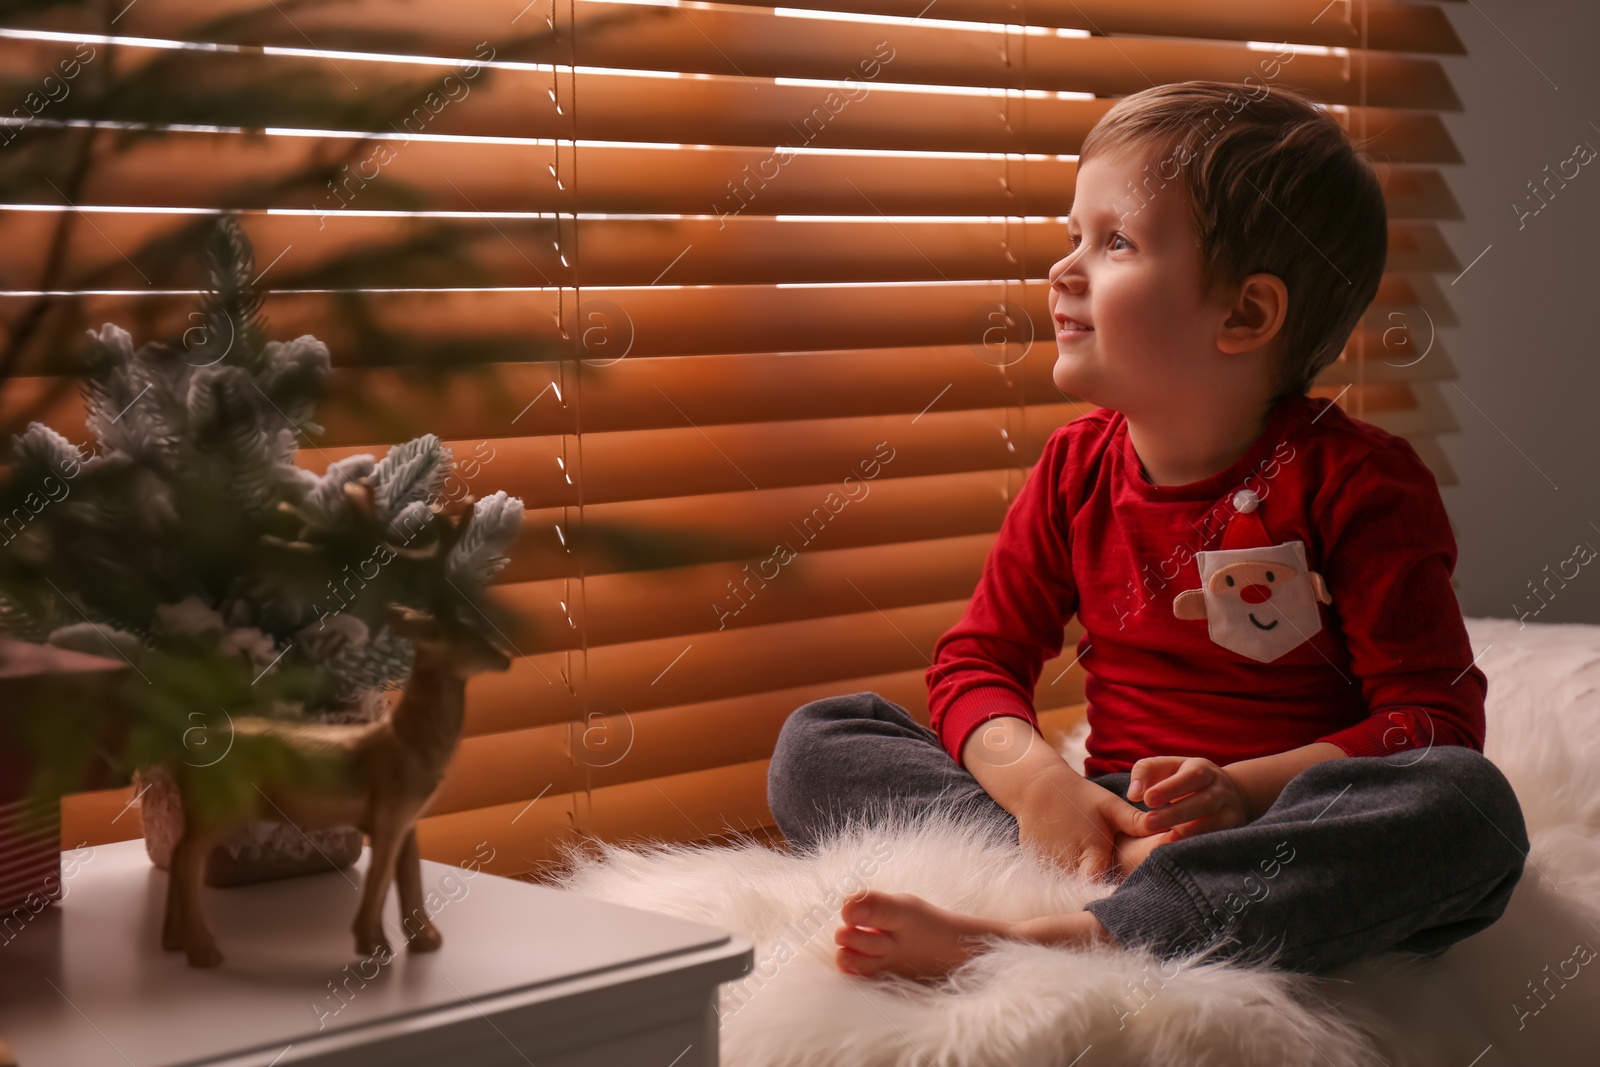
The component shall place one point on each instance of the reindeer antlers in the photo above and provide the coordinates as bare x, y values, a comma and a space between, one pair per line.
368, 527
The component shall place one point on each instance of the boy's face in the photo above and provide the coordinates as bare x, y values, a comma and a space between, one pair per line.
1133, 273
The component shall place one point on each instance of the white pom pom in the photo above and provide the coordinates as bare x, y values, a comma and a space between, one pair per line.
1246, 500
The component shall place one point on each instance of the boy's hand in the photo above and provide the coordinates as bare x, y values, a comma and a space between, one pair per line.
1188, 795
1076, 826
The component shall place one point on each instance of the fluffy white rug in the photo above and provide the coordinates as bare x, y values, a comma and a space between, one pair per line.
1527, 990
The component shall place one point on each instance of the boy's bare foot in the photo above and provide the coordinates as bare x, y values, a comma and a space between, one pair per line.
1131, 851
899, 933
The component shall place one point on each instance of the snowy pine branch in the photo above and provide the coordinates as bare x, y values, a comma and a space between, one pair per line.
482, 551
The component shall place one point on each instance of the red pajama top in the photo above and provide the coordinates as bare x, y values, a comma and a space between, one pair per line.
1389, 669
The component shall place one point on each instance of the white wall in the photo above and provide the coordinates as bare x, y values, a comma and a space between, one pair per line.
1528, 402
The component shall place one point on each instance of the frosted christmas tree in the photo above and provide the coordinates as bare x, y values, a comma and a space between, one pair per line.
186, 537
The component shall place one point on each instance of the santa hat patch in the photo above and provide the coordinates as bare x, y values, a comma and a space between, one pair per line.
1245, 529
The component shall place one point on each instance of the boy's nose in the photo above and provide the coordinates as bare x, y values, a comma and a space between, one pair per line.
1063, 273
1255, 594
1069, 281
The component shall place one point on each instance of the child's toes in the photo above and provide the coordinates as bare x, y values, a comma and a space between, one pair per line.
866, 942
864, 907
851, 962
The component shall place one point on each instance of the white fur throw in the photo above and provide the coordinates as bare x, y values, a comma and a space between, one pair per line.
1523, 991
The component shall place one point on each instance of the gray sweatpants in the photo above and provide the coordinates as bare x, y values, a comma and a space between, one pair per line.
1411, 851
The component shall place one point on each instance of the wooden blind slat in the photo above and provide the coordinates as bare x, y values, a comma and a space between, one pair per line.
734, 457
493, 402
721, 664
119, 249
528, 840
663, 321
459, 28
1389, 357
756, 44
1400, 27
619, 105
817, 581
187, 169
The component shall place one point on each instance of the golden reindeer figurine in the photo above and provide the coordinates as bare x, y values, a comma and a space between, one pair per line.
387, 774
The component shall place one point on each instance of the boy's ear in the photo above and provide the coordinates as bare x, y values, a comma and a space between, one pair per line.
1256, 316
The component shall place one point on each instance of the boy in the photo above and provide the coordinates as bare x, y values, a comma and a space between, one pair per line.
1285, 756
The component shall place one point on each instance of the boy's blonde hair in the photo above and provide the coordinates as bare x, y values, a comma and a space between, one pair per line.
1276, 186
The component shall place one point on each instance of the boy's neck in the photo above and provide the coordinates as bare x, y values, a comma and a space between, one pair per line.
1197, 443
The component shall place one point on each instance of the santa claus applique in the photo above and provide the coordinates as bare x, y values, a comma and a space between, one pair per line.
1259, 599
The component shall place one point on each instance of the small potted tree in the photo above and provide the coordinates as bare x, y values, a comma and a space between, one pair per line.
189, 545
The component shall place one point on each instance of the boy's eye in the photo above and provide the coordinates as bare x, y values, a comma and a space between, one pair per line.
1073, 240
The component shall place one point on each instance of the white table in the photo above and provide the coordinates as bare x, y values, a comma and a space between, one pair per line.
528, 974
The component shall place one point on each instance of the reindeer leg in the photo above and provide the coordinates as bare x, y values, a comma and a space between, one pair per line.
188, 870
414, 918
172, 921
386, 840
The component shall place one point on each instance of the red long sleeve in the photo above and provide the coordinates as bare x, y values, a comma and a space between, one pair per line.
988, 664
1391, 553
1386, 667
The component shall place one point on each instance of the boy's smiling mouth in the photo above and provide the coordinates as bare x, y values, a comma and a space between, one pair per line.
1067, 326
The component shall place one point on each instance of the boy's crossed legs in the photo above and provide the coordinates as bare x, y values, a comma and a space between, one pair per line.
1412, 851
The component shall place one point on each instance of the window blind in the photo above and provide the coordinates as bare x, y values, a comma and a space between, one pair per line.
733, 274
